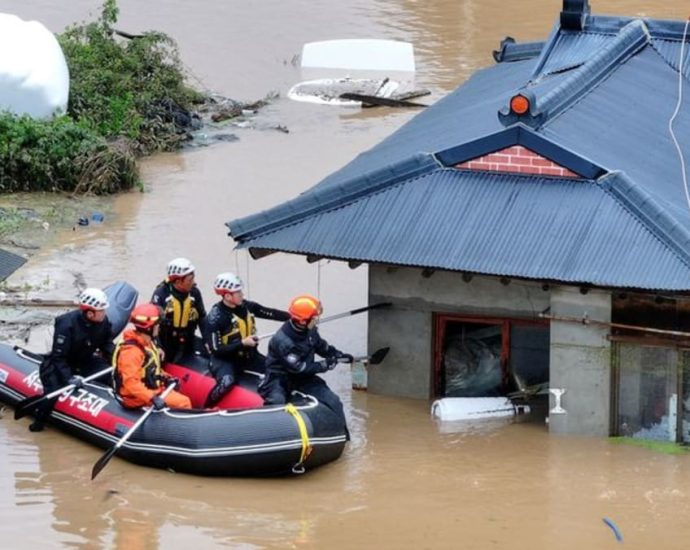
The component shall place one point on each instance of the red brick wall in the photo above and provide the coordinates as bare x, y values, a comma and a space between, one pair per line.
517, 159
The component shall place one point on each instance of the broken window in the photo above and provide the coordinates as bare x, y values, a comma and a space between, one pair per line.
486, 357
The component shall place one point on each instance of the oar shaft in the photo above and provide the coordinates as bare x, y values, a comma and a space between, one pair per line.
71, 386
338, 316
143, 418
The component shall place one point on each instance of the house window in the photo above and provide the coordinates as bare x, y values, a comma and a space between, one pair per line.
647, 383
477, 357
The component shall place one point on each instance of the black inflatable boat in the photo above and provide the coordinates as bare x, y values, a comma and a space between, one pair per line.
240, 438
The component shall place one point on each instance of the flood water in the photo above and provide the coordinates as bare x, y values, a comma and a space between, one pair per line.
403, 481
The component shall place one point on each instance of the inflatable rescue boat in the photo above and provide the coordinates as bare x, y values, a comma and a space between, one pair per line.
239, 437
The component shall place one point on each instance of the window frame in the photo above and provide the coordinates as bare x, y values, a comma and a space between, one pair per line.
441, 320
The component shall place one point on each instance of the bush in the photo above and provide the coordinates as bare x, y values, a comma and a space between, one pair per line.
127, 88
61, 155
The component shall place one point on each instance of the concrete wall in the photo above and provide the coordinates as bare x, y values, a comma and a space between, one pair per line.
580, 362
407, 326
580, 355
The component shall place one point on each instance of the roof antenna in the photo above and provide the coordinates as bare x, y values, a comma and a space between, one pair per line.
574, 14
677, 110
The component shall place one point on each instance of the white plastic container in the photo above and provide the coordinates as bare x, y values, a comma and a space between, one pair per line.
469, 408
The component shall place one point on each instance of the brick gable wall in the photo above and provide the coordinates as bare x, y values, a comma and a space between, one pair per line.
517, 160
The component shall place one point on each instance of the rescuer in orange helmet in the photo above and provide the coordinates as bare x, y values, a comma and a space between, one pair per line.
139, 379
290, 363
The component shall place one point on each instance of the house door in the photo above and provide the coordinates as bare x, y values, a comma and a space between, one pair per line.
477, 357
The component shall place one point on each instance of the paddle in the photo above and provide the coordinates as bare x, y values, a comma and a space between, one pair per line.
374, 359
110, 452
28, 405
338, 316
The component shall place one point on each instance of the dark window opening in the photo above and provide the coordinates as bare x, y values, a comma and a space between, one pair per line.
475, 357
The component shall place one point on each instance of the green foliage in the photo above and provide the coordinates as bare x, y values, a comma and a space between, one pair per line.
127, 87
665, 447
10, 220
61, 154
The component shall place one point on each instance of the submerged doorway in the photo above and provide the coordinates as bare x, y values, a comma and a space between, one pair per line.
477, 357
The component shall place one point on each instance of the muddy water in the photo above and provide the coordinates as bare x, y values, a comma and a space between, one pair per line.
403, 482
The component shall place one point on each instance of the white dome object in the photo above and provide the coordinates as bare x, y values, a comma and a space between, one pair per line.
34, 78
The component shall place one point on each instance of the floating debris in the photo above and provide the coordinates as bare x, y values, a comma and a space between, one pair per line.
614, 528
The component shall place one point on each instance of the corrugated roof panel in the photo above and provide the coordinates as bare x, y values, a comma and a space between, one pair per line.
572, 49
669, 50
615, 128
9, 263
504, 225
467, 113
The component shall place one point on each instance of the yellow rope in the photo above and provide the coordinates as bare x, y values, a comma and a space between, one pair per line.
306, 446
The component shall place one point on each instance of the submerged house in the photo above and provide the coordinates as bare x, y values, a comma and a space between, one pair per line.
532, 226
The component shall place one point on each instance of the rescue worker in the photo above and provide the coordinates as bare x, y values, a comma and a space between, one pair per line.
290, 363
82, 345
139, 379
183, 310
230, 335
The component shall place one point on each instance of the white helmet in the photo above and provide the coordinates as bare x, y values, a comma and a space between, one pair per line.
93, 299
227, 282
179, 267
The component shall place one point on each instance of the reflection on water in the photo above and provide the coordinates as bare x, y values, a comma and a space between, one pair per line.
403, 481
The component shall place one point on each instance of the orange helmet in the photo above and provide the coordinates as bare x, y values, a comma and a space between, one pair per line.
145, 316
304, 308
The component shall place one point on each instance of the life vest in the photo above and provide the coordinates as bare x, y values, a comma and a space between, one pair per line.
242, 327
180, 313
150, 368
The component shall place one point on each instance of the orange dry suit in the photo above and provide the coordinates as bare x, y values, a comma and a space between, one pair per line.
138, 373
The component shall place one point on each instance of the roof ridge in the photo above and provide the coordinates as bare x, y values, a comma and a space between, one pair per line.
631, 38
322, 199
652, 215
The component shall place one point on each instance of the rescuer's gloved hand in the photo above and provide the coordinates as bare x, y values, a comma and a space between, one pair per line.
158, 402
331, 362
76, 381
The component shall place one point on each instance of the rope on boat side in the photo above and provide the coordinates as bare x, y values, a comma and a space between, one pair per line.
306, 445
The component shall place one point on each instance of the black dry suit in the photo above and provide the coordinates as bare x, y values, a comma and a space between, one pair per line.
182, 313
225, 329
290, 366
79, 348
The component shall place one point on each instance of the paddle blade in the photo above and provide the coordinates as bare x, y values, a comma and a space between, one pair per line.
27, 406
102, 462
378, 356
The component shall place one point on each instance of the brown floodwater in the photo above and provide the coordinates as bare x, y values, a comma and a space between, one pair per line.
404, 481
